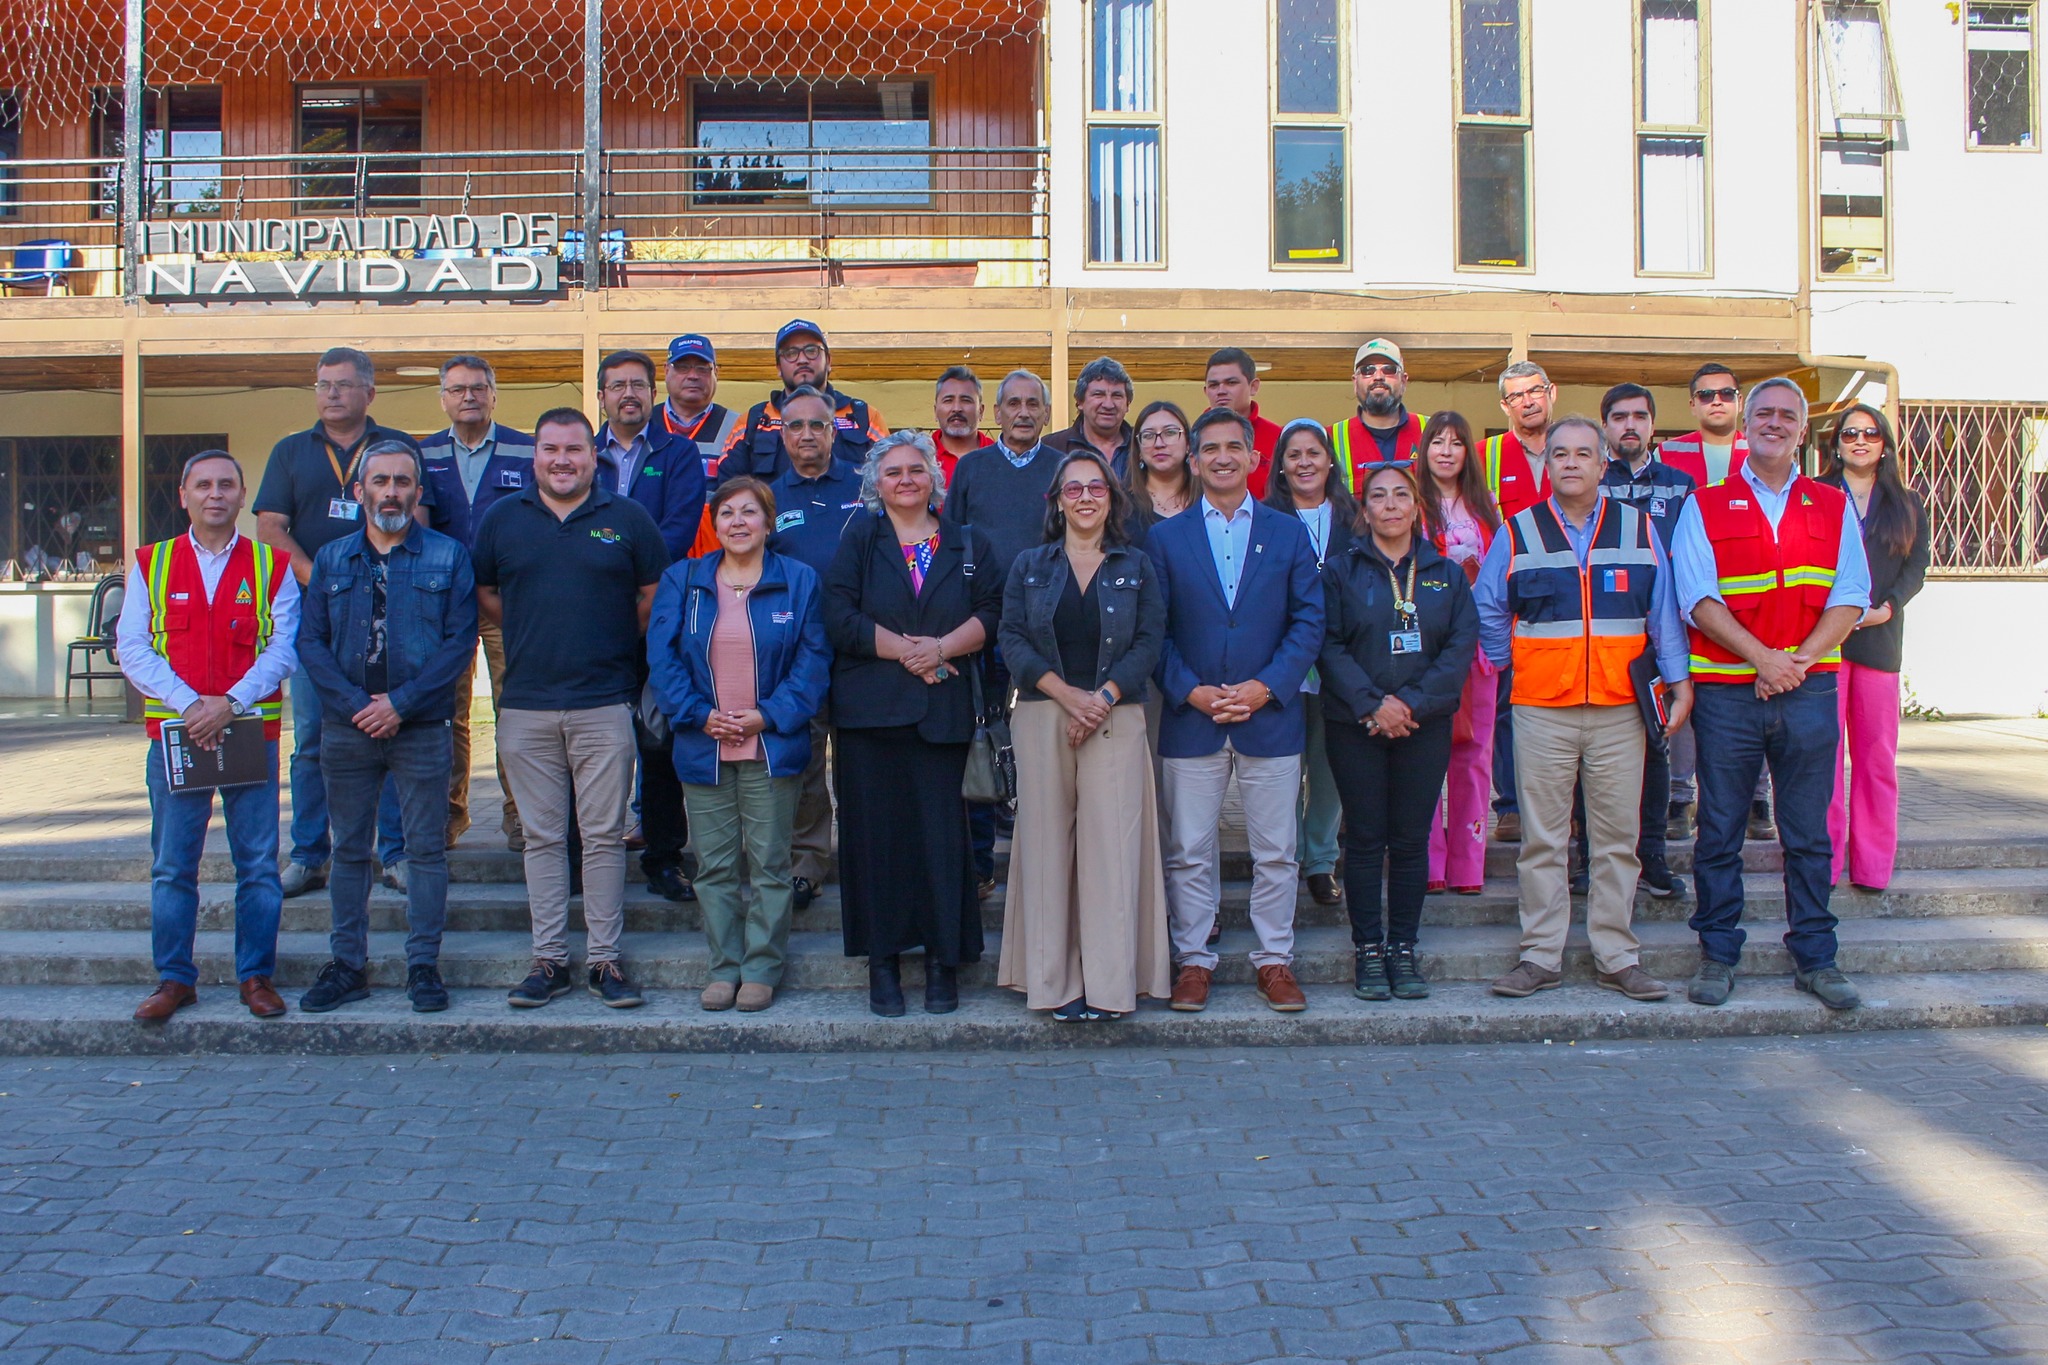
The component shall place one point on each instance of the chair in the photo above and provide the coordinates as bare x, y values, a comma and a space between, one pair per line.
102, 618
43, 262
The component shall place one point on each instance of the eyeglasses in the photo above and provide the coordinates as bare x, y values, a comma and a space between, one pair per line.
629, 386
1159, 436
1860, 434
1074, 490
1370, 369
810, 352
1716, 395
812, 425
1515, 400
465, 390
335, 386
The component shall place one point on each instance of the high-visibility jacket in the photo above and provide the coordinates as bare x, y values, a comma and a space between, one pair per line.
1689, 453
211, 645
1508, 477
755, 446
1578, 629
1351, 434
1775, 586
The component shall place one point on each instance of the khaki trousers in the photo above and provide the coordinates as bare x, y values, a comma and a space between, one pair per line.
1268, 788
1085, 913
1557, 748
547, 754
458, 783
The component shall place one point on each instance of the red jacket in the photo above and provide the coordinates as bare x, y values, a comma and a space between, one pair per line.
982, 440
1265, 440
1688, 452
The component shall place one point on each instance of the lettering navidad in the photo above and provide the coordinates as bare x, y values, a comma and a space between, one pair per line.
458, 255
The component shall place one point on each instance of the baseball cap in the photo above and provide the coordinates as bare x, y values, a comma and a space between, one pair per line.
1378, 346
797, 327
689, 346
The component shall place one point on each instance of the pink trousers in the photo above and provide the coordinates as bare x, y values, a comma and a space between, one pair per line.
1457, 833
1863, 821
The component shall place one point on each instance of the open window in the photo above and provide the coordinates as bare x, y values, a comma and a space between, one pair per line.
1861, 116
1493, 134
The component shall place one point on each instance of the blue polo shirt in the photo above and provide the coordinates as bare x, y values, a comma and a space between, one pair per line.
811, 513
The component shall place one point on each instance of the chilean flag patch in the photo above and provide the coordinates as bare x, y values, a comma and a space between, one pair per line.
1617, 580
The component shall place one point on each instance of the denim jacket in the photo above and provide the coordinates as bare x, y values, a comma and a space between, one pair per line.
429, 624
1128, 600
792, 662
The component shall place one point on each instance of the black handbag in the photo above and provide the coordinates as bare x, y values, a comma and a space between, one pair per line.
991, 776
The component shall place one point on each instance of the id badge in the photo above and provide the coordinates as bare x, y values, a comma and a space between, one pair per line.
341, 509
1405, 641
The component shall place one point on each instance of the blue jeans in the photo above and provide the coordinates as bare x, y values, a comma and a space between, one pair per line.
1795, 735
1504, 800
310, 843
418, 761
177, 837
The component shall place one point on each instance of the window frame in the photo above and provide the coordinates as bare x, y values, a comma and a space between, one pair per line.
1524, 123
2033, 80
808, 200
1278, 122
1832, 81
1886, 145
373, 204
104, 118
1153, 120
1853, 128
1700, 132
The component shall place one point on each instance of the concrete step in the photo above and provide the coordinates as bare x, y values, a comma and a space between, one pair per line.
476, 861
676, 961
502, 906
53, 1021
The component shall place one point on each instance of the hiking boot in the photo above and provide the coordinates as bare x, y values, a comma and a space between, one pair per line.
338, 984
1526, 979
1369, 973
546, 981
1712, 984
1402, 970
424, 987
1834, 989
941, 987
1635, 983
609, 984
885, 987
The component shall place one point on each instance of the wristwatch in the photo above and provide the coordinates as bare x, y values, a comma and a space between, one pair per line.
238, 706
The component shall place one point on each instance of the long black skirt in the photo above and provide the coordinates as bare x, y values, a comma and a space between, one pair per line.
906, 870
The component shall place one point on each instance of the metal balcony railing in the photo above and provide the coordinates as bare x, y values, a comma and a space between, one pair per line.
665, 216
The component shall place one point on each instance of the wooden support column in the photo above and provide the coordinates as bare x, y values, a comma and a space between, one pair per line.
1061, 379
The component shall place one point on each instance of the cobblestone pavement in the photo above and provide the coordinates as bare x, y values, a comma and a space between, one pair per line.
1849, 1199
73, 783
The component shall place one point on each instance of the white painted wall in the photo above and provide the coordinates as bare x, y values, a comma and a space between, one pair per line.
1971, 648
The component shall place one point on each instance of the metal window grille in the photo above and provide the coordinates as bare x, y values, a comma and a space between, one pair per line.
1982, 469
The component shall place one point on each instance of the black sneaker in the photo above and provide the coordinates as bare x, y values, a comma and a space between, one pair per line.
1406, 976
546, 981
423, 986
1080, 1012
670, 884
337, 985
1369, 973
609, 984
802, 892
1658, 881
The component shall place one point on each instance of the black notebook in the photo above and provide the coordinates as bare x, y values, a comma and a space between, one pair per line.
1643, 672
240, 757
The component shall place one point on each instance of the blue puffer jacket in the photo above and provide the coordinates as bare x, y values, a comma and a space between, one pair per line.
792, 662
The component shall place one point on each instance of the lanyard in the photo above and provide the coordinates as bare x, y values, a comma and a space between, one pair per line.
334, 462
1308, 521
1404, 598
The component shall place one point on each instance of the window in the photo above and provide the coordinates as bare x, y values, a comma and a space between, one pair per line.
840, 143
10, 149
1493, 134
60, 498
163, 460
2001, 46
337, 119
1859, 104
1671, 137
1311, 196
179, 122
1125, 193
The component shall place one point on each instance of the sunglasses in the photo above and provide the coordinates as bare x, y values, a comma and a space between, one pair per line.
1075, 491
1388, 370
1716, 395
1860, 434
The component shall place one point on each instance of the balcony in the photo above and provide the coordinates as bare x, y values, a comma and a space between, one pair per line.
666, 217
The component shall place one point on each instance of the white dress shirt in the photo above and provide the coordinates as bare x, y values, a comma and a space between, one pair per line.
153, 675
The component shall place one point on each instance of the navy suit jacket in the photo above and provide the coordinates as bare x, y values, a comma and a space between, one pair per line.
669, 484
1273, 633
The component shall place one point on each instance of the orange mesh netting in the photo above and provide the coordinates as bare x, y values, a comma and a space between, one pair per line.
53, 53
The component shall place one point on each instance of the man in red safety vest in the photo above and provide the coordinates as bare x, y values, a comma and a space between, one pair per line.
1382, 431
1716, 448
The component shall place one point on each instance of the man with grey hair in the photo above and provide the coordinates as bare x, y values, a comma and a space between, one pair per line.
389, 628
1102, 395
1772, 577
303, 503
1519, 477
1570, 594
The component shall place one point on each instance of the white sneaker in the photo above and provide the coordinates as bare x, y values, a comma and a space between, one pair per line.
298, 879
394, 876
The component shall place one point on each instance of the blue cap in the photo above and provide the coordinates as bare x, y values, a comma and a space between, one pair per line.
691, 345
798, 327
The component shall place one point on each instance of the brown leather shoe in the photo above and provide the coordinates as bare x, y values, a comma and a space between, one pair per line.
1278, 988
1191, 989
1508, 829
166, 1000
1635, 983
754, 996
1526, 979
1322, 887
263, 1002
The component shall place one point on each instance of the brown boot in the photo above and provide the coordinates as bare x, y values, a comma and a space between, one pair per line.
262, 1000
1278, 988
166, 1000
1191, 989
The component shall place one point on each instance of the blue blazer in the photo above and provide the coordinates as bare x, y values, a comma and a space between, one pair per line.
1273, 634
450, 510
792, 662
670, 484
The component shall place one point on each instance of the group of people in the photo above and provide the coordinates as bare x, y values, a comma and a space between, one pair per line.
751, 628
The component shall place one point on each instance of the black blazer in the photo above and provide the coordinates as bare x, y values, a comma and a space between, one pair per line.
1894, 578
1133, 619
868, 585
1358, 666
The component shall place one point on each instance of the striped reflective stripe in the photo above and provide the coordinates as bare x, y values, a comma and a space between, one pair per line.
265, 557
1574, 630
1703, 667
1809, 576
1742, 585
1544, 559
158, 580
